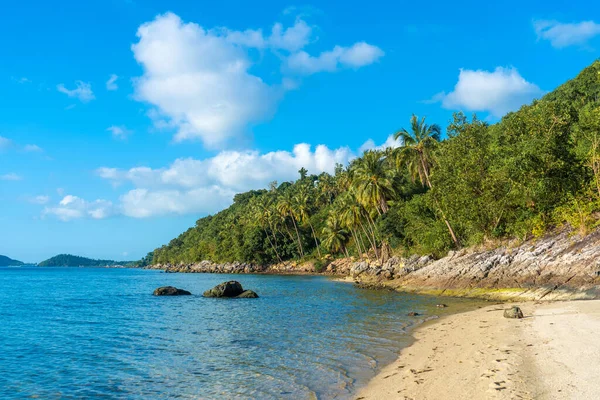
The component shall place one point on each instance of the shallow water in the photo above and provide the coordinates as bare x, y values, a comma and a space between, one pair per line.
80, 333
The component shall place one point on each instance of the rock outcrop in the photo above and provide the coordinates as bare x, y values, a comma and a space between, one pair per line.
230, 289
555, 267
170, 291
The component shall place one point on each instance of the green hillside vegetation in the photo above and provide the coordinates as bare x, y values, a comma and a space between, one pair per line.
535, 170
68, 260
9, 262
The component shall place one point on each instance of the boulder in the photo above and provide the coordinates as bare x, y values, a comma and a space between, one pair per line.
247, 294
170, 291
413, 314
229, 289
513, 312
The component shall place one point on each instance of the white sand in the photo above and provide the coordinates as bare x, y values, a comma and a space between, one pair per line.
553, 353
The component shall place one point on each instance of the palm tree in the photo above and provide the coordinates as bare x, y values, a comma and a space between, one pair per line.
416, 155
373, 181
285, 205
262, 213
302, 210
334, 235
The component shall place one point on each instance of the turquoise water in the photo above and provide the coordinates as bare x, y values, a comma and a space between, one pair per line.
81, 333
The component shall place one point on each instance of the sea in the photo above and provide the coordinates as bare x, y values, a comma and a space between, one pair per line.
79, 333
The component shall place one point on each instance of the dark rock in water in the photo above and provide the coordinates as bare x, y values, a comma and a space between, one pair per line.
225, 289
413, 314
513, 312
170, 291
247, 294
441, 305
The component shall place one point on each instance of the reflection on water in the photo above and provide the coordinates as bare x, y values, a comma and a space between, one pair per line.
99, 332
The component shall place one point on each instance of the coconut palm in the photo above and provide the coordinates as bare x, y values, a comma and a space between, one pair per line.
416, 155
334, 235
373, 181
286, 206
302, 210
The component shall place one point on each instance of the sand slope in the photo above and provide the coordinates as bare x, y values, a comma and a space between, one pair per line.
554, 353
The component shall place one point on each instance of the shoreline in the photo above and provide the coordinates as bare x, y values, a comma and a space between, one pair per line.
550, 354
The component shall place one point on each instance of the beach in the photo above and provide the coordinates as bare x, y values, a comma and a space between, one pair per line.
552, 353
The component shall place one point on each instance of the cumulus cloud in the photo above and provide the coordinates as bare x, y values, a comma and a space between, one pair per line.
199, 81
82, 91
72, 207
119, 132
11, 177
389, 143
497, 92
562, 35
356, 56
111, 83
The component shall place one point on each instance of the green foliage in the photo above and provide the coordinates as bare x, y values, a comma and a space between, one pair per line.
536, 169
68, 260
9, 262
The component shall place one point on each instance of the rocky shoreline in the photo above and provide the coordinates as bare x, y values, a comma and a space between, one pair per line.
556, 267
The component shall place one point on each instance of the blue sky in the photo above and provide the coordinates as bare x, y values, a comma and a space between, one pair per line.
122, 122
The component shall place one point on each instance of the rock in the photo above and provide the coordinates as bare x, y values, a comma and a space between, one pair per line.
170, 291
247, 294
441, 305
413, 314
513, 312
225, 289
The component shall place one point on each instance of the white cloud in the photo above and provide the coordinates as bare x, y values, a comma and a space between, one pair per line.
291, 39
32, 148
119, 132
200, 83
111, 83
73, 207
200, 186
82, 91
358, 55
496, 92
143, 203
563, 35
390, 142
11, 177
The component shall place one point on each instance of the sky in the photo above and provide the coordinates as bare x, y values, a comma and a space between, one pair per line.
124, 121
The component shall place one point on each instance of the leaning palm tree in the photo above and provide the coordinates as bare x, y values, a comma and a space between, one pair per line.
302, 210
372, 181
416, 155
334, 235
285, 205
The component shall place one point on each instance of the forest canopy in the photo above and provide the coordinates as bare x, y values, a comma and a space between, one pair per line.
535, 170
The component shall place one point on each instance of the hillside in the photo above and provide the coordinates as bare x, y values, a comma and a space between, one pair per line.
6, 262
68, 260
536, 170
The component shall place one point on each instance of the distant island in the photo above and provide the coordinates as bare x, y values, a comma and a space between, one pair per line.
68, 260
9, 262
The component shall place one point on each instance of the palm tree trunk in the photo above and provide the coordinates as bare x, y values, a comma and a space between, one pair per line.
298, 236
454, 238
273, 246
315, 237
373, 244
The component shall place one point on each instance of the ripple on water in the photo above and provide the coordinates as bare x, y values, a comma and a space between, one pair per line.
79, 333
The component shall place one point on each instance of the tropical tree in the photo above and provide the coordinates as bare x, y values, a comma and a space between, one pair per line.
302, 209
286, 206
335, 236
416, 155
373, 181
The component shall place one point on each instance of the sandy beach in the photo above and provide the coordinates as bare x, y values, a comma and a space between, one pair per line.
553, 353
